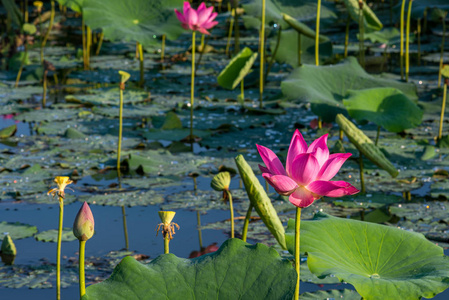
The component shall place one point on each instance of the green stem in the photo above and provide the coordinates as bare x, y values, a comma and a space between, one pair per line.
246, 224
44, 94
142, 79
100, 43
201, 54
362, 177
58, 253
299, 49
378, 134
242, 91
88, 45
348, 21
231, 24
198, 222
40, 37
192, 89
419, 41
407, 40
384, 60
166, 244
317, 34
443, 109
231, 208
262, 54
202, 42
401, 54
361, 39
297, 249
120, 116
81, 267
340, 135
273, 55
236, 30
125, 228
442, 51
163, 48
83, 35
22, 63
50, 26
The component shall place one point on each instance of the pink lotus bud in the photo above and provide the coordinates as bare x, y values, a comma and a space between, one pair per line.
83, 227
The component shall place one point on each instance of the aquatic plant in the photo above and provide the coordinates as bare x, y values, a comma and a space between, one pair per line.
167, 227
221, 183
306, 178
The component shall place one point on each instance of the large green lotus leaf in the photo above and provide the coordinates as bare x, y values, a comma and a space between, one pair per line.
370, 20
7, 94
288, 49
260, 200
381, 262
332, 294
133, 198
52, 235
48, 115
17, 230
236, 271
75, 5
239, 66
380, 106
326, 86
135, 21
385, 36
303, 10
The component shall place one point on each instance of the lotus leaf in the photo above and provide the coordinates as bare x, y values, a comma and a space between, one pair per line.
236, 271
239, 66
370, 20
133, 198
326, 86
381, 262
52, 235
17, 230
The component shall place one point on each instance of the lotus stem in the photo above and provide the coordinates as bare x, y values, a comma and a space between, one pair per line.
320, 123
267, 186
231, 208
40, 34
55, 78
341, 135
242, 90
299, 49
317, 34
88, 45
297, 249
22, 63
100, 43
200, 236
384, 60
83, 35
125, 228
378, 135
231, 24
50, 26
202, 42
407, 40
163, 48
348, 21
120, 129
362, 177
195, 186
25, 9
361, 37
58, 252
443, 108
166, 244
192, 90
273, 55
442, 50
142, 79
44, 84
201, 54
401, 32
81, 268
419, 41
246, 224
425, 20
237, 29
262, 54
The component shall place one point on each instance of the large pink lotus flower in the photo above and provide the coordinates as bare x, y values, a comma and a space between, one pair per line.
197, 20
308, 171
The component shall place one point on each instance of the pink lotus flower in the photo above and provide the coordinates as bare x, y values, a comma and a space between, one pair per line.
197, 20
308, 171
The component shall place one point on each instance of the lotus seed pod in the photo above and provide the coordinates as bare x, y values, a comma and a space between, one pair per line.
83, 227
124, 76
445, 71
166, 216
8, 247
221, 181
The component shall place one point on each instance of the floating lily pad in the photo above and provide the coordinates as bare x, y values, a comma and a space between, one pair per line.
381, 262
264, 274
109, 97
52, 235
17, 230
132, 198
326, 86
8, 131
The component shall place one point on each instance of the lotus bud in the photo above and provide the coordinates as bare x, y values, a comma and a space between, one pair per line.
83, 227
124, 76
8, 247
221, 181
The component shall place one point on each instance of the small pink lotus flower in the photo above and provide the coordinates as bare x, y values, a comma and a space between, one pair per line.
308, 171
197, 20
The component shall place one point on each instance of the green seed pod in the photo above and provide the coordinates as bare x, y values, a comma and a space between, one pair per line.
221, 181
166, 216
